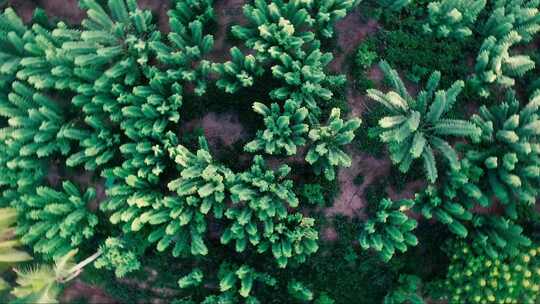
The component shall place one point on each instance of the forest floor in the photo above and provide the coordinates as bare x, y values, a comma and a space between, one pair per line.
81, 290
219, 128
350, 201
228, 13
226, 129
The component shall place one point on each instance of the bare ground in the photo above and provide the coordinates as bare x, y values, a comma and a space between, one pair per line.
160, 9
219, 128
69, 10
80, 290
329, 234
351, 30
495, 208
226, 129
161, 293
87, 180
82, 179
299, 158
408, 191
350, 202
228, 13
24, 8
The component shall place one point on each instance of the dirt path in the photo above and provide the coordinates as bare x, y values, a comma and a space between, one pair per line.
351, 31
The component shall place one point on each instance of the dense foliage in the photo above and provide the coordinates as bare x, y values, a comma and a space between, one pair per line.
414, 127
508, 150
453, 18
390, 230
475, 278
105, 175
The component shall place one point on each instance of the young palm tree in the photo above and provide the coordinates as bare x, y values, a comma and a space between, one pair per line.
415, 127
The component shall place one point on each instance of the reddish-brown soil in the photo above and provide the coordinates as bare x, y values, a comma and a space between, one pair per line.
376, 74
219, 128
329, 234
160, 9
87, 180
83, 180
69, 10
53, 175
24, 8
350, 201
162, 294
228, 13
94, 295
350, 31
495, 208
408, 191
79, 290
299, 158
225, 129
66, 10
358, 101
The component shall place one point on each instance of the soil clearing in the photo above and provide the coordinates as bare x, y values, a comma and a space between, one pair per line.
219, 128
